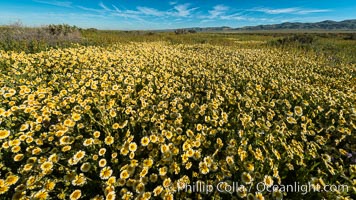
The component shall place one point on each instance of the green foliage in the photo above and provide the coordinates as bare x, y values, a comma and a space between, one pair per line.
296, 40
61, 29
337, 47
184, 31
350, 36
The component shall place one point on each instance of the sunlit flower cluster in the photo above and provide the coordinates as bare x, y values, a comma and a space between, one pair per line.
136, 120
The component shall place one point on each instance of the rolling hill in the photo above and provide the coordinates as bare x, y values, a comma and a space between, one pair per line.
323, 25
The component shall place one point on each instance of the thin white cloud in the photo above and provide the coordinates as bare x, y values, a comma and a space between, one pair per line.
173, 3
150, 11
293, 10
67, 4
235, 16
183, 10
276, 11
116, 8
91, 9
221, 12
133, 12
178, 10
101, 4
313, 11
206, 20
218, 10
105, 10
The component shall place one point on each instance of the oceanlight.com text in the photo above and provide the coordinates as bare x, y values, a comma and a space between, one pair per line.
234, 187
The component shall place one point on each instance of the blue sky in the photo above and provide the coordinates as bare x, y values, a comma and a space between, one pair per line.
156, 14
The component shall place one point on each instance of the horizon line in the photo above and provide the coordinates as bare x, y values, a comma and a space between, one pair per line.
19, 23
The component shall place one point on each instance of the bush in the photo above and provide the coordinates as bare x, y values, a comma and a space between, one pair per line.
350, 36
16, 37
180, 31
61, 29
301, 40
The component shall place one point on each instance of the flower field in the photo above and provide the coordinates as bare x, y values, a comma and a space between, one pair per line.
142, 119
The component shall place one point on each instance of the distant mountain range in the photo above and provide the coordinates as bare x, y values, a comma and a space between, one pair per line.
323, 25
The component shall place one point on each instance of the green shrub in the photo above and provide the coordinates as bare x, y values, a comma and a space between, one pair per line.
299, 40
